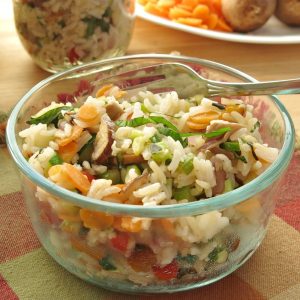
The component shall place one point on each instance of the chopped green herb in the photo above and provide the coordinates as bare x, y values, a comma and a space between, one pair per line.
106, 264
55, 160
183, 193
235, 148
133, 122
160, 152
208, 135
213, 255
142, 121
243, 159
231, 146
90, 142
189, 259
256, 125
187, 165
173, 134
228, 186
113, 175
165, 122
155, 139
92, 23
51, 116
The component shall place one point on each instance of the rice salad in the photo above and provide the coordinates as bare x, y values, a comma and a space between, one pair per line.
147, 149
59, 34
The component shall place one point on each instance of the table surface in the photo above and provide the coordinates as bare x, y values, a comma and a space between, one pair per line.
264, 62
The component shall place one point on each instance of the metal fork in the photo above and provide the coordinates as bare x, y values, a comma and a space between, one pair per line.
187, 82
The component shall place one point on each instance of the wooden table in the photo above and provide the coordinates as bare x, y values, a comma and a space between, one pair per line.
264, 62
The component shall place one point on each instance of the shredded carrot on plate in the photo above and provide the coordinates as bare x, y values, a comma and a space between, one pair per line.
205, 14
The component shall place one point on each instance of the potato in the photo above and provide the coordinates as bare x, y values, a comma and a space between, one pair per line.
288, 11
247, 15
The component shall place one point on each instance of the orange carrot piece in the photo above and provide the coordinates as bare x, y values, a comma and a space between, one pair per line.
189, 21
103, 90
154, 9
190, 3
166, 3
168, 227
204, 118
96, 219
87, 112
76, 132
80, 181
81, 246
201, 11
212, 21
196, 126
185, 7
177, 12
223, 26
68, 151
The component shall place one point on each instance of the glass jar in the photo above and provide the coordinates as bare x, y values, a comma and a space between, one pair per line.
60, 34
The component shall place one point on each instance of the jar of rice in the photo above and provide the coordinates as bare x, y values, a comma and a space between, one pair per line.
61, 34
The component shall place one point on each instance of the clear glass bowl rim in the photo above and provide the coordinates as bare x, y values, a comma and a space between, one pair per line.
219, 202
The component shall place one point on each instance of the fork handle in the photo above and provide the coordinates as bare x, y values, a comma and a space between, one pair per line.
278, 87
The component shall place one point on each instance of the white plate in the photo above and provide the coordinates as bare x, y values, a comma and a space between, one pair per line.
273, 32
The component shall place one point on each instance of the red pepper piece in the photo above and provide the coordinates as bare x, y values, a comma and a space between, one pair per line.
65, 97
120, 241
166, 272
73, 56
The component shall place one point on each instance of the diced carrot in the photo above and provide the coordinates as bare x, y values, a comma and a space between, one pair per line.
189, 21
115, 197
196, 126
103, 90
69, 217
212, 21
204, 118
166, 3
87, 112
68, 151
81, 246
217, 6
177, 12
185, 7
80, 181
223, 26
120, 94
168, 227
238, 108
201, 11
96, 219
208, 12
154, 9
76, 132
57, 175
190, 3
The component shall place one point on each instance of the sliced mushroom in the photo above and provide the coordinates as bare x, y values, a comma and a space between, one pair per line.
220, 180
114, 110
134, 185
126, 159
104, 140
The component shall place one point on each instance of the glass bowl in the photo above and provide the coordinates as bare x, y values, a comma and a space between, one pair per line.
61, 34
229, 227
